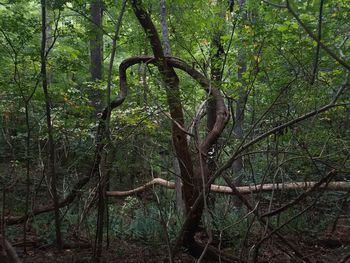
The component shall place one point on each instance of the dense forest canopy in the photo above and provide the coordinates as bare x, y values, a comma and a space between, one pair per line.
198, 131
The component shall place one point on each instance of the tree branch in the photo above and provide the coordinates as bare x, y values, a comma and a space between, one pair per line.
345, 64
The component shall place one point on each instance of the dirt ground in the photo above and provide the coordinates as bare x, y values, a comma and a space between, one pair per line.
119, 251
330, 248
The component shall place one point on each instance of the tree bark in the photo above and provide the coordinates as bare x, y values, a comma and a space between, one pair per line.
165, 31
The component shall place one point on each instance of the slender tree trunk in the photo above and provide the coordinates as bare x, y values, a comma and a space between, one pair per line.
167, 52
103, 184
237, 165
51, 145
216, 78
165, 31
27, 175
96, 52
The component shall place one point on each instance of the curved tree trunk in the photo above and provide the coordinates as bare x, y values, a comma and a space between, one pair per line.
191, 171
171, 82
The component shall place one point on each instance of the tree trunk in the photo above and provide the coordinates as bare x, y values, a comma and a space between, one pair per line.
96, 52
51, 145
104, 151
171, 81
165, 31
216, 78
180, 205
237, 165
191, 171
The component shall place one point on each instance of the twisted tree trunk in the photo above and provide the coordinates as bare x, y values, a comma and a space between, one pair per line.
192, 171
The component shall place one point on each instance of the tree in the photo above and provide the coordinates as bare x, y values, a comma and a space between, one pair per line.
194, 173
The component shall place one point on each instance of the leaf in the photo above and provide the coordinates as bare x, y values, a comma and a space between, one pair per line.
283, 28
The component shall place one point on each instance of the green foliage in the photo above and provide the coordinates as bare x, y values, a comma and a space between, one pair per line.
265, 49
141, 222
229, 226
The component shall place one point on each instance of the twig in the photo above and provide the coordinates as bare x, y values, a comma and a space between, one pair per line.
345, 64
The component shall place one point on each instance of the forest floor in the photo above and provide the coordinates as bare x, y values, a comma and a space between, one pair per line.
330, 248
325, 247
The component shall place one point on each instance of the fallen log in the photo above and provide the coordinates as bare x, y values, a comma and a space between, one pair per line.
249, 189
341, 186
